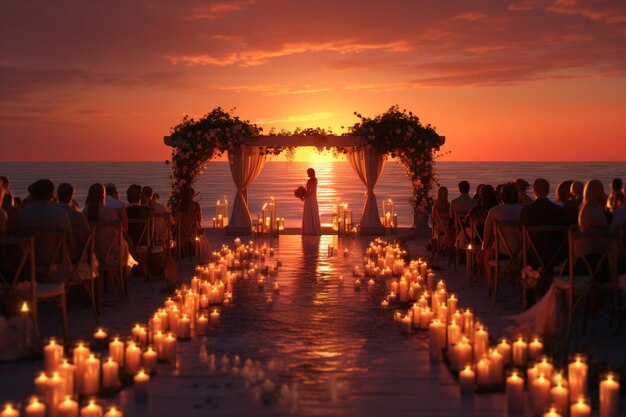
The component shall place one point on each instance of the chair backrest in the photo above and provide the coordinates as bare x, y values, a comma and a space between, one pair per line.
107, 238
596, 263
475, 234
544, 256
140, 231
187, 226
17, 260
51, 251
504, 234
162, 226
81, 247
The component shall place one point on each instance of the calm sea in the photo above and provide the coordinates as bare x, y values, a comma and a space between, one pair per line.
337, 181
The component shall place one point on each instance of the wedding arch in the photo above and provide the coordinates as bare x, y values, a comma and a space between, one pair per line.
366, 145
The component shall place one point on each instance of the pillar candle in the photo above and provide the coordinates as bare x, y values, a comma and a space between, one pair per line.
35, 408
580, 409
214, 318
169, 348
54, 393
149, 360
133, 358
157, 341
467, 380
100, 335
41, 384
483, 372
52, 356
577, 376
504, 347
80, 354
142, 384
184, 327
461, 354
9, 411
540, 395
203, 324
113, 412
520, 352
403, 290
468, 322
452, 304
67, 408
515, 393
545, 367
552, 413
385, 304
559, 397
454, 333
535, 349
67, 371
436, 339
110, 373
91, 410
609, 395
406, 324
91, 376
481, 343
426, 315
497, 367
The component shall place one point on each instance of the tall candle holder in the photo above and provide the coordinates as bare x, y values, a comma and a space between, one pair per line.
221, 214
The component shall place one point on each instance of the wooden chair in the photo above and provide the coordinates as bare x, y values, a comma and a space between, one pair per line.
110, 250
510, 262
186, 234
547, 262
441, 235
474, 252
461, 239
576, 285
162, 236
84, 267
141, 242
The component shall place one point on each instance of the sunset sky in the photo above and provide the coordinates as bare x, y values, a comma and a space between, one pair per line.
502, 80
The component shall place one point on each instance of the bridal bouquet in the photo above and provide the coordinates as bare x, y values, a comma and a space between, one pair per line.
530, 277
300, 192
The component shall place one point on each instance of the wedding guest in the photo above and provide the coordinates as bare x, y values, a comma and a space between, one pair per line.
619, 218
522, 187
4, 182
572, 206
478, 214
463, 203
103, 217
616, 190
190, 221
41, 214
160, 223
476, 195
499, 193
509, 210
441, 215
592, 217
136, 211
11, 206
29, 198
4, 218
113, 201
65, 195
563, 192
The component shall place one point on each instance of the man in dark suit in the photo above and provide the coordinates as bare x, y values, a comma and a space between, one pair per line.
551, 246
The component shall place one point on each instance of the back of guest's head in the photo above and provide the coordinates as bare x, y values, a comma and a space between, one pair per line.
619, 200
4, 182
146, 194
563, 191
65, 193
310, 172
95, 198
111, 189
133, 193
43, 190
541, 187
616, 184
442, 194
521, 184
464, 187
594, 193
479, 187
576, 189
510, 194
488, 196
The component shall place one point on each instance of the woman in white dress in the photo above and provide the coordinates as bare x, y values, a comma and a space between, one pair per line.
311, 214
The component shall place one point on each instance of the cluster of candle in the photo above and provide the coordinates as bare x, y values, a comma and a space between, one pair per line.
267, 221
341, 221
221, 214
465, 342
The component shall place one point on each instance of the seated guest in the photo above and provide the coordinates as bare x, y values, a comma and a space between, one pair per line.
616, 190
563, 192
41, 215
160, 223
107, 244
522, 187
619, 218
592, 217
65, 195
463, 203
136, 211
113, 201
4, 218
441, 216
572, 206
190, 222
508, 211
478, 214
29, 198
476, 195
4, 183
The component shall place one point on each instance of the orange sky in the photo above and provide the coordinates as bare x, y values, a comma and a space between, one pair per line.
502, 80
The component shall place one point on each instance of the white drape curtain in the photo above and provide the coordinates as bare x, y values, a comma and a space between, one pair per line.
368, 164
246, 164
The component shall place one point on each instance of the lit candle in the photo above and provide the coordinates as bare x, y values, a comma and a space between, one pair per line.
454, 333
91, 410
142, 385
169, 348
515, 393
67, 408
481, 343
483, 372
406, 324
203, 324
67, 371
504, 347
577, 376
140, 334
580, 409
559, 396
52, 356
436, 339
497, 367
91, 375
452, 304
80, 354
54, 393
468, 322
609, 395
100, 335
113, 412
403, 290
540, 395
214, 318
157, 341
110, 374
552, 413
461, 354
184, 327
535, 349
426, 315
149, 360
9, 411
384, 304
520, 352
133, 358
467, 380
35, 408
41, 384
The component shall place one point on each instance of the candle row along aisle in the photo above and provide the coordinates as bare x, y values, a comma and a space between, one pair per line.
68, 381
460, 341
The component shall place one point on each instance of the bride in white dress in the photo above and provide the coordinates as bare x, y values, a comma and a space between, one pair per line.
311, 215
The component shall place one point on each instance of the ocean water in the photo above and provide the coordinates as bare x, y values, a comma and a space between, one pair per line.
337, 181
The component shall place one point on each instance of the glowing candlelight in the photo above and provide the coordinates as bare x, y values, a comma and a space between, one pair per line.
142, 385
467, 379
35, 408
67, 408
91, 410
609, 395
515, 393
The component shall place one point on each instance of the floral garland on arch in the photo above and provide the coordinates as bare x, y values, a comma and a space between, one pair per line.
401, 135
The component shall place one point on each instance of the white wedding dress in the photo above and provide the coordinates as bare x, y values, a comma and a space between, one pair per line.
311, 215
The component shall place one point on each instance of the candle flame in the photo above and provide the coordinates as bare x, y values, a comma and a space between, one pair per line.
24, 308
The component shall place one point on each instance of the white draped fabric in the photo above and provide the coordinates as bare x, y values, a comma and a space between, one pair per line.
368, 164
246, 164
